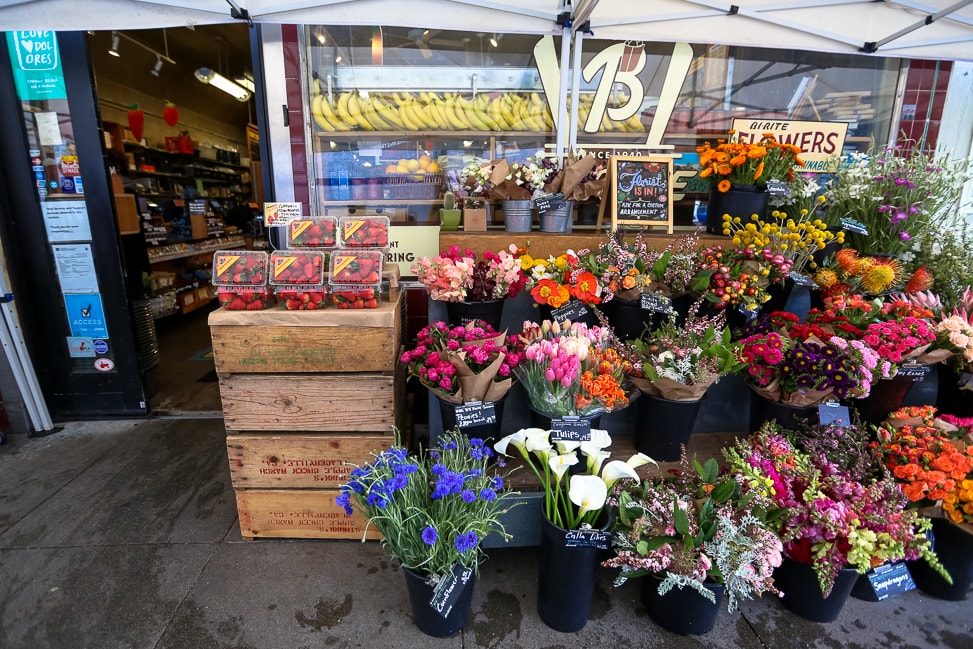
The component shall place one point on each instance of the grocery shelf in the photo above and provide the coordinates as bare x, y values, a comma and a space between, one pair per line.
205, 245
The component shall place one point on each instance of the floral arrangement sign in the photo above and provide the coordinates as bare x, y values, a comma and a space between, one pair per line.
641, 192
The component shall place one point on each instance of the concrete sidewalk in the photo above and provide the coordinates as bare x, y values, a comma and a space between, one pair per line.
124, 534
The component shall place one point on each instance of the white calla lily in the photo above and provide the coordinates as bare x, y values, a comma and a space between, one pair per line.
595, 460
538, 442
598, 440
566, 445
640, 459
561, 463
517, 440
588, 493
617, 470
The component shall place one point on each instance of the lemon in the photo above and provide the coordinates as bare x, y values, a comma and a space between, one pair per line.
402, 169
412, 165
391, 169
432, 167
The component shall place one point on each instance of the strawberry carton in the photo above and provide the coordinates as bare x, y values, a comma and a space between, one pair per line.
356, 267
302, 298
356, 297
364, 231
239, 268
318, 232
304, 267
245, 298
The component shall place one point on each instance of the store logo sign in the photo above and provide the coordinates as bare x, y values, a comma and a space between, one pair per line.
36, 50
36, 65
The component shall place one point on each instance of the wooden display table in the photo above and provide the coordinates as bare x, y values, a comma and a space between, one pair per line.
306, 394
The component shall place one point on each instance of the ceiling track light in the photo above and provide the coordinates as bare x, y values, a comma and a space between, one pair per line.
217, 80
115, 39
157, 66
114, 44
495, 40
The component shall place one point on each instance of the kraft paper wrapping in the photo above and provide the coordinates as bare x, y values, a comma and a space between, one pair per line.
772, 391
476, 387
574, 172
504, 189
807, 399
556, 184
673, 390
921, 355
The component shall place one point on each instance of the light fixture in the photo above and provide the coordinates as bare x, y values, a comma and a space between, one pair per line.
217, 80
114, 44
319, 33
157, 66
495, 40
246, 81
337, 59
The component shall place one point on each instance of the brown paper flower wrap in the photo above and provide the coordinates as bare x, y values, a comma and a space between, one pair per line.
574, 173
477, 386
673, 390
504, 189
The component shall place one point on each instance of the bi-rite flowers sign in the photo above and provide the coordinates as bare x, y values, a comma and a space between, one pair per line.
821, 143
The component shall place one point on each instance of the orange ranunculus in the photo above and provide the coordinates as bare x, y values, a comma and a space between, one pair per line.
628, 282
956, 516
586, 288
912, 492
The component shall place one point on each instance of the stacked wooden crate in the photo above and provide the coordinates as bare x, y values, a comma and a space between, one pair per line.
306, 394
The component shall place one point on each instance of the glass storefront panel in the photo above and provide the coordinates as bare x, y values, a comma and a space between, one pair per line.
397, 112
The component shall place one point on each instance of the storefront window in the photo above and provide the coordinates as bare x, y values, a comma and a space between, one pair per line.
397, 112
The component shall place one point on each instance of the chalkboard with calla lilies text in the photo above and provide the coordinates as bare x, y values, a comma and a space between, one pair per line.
641, 191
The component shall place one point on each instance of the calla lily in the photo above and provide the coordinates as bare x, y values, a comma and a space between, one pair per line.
595, 461
517, 439
640, 459
560, 463
566, 446
617, 470
588, 492
599, 439
538, 442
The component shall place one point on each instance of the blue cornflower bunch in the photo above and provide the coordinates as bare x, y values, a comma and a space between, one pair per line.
433, 508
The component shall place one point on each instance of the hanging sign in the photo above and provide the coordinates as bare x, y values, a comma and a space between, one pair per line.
641, 192
36, 65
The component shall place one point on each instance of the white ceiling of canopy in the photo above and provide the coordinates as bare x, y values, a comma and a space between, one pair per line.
930, 29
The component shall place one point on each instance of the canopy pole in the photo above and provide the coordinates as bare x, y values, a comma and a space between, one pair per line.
562, 106
575, 92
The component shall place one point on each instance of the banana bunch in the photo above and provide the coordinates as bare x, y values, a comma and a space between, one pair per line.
430, 111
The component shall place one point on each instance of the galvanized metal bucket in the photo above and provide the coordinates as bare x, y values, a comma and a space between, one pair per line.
558, 219
518, 216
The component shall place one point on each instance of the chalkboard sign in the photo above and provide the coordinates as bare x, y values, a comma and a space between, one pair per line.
641, 191
587, 539
914, 371
778, 188
574, 310
475, 413
851, 225
548, 202
449, 588
570, 429
889, 580
802, 280
656, 302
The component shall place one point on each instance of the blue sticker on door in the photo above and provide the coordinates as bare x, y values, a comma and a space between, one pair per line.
86, 315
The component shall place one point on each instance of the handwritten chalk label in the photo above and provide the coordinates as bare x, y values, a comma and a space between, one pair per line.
570, 429
656, 302
802, 280
914, 371
548, 202
778, 188
587, 539
833, 412
475, 413
851, 225
447, 591
748, 314
890, 580
574, 310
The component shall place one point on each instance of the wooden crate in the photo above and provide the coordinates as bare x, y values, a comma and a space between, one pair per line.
361, 403
297, 514
298, 461
331, 340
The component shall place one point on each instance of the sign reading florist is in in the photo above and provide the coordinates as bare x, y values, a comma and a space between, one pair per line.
641, 191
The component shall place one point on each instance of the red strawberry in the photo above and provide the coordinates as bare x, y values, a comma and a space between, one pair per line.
170, 113
136, 121
256, 305
236, 304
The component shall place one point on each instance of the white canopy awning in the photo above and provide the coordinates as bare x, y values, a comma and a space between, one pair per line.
929, 29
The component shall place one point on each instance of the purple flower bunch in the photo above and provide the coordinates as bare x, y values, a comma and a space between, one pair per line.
432, 508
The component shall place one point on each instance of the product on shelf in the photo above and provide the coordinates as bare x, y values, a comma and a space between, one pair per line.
364, 231
297, 267
318, 232
356, 267
239, 268
302, 298
245, 298
356, 297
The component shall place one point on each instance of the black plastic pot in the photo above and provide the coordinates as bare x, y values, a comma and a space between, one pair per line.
802, 593
663, 426
954, 547
788, 416
740, 200
429, 620
543, 421
461, 313
682, 610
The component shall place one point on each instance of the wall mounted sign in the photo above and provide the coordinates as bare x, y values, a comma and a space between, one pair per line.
36, 65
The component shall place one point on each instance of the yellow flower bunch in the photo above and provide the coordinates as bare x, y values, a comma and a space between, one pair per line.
796, 240
958, 504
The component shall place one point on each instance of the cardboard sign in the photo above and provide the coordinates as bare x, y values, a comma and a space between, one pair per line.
475, 413
587, 539
281, 213
641, 192
548, 202
449, 588
570, 429
574, 310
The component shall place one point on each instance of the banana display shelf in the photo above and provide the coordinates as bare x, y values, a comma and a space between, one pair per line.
430, 111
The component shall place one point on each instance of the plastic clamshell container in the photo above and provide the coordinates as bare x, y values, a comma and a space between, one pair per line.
239, 268
245, 298
356, 267
305, 267
364, 231
356, 297
318, 232
302, 298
